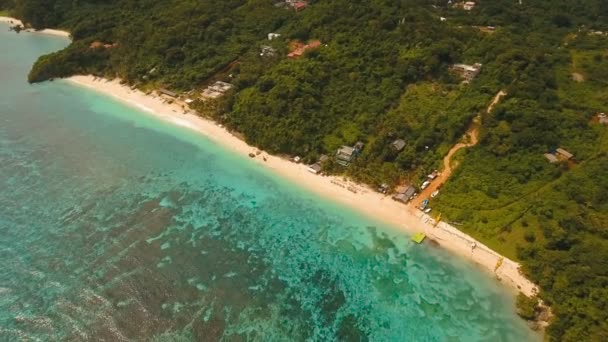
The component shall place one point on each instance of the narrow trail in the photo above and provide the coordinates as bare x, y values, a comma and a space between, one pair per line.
470, 138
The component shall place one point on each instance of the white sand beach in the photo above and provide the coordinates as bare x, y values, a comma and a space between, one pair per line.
357, 196
14, 21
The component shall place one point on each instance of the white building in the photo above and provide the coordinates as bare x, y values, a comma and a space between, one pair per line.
468, 5
216, 90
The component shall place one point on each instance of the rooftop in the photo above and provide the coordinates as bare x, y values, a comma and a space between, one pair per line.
346, 150
468, 67
216, 90
167, 92
300, 49
564, 153
314, 168
398, 144
551, 158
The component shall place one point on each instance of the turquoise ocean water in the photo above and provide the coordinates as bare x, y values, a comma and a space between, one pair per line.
115, 226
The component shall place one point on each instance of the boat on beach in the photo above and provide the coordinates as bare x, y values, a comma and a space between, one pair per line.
418, 237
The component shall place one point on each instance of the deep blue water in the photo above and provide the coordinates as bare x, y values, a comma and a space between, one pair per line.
115, 226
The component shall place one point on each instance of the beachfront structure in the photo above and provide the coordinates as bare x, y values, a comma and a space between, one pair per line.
346, 154
314, 168
469, 5
169, 93
398, 144
468, 72
563, 154
551, 158
404, 193
299, 50
216, 90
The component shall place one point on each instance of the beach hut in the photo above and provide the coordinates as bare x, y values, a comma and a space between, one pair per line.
167, 92
404, 193
314, 168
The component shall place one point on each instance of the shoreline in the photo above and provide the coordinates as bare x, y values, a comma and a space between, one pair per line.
357, 196
15, 21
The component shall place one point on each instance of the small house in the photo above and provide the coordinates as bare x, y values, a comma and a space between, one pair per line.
563, 154
551, 158
404, 193
345, 155
602, 118
169, 93
468, 72
221, 86
469, 5
314, 168
398, 145
216, 90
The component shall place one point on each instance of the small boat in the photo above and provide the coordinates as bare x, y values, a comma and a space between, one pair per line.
418, 237
427, 210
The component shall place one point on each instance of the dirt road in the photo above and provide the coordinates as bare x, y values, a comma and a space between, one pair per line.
470, 138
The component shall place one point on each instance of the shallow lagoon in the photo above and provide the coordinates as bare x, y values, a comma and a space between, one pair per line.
116, 225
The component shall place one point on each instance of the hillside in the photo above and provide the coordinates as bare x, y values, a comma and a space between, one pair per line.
382, 72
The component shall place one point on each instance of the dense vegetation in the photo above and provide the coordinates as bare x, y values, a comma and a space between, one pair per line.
382, 74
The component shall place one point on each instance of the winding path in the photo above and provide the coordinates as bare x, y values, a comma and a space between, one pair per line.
470, 138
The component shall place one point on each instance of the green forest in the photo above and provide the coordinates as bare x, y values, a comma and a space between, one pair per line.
383, 72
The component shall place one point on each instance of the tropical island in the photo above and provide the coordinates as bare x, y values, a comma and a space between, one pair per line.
382, 92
